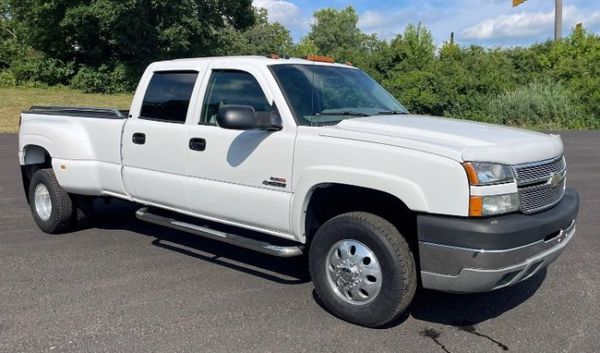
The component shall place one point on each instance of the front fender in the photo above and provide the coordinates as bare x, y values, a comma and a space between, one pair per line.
406, 190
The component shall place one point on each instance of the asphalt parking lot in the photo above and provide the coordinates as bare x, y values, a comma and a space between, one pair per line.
126, 286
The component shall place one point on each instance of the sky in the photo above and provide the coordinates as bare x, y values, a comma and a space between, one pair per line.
484, 22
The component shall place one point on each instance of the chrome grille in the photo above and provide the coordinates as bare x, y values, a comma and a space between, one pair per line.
537, 191
537, 172
540, 197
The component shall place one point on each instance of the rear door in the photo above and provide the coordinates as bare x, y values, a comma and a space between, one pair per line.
243, 177
155, 140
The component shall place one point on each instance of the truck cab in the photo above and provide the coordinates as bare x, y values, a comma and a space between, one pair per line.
294, 156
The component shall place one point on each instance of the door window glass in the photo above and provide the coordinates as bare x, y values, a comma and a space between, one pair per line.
168, 96
231, 87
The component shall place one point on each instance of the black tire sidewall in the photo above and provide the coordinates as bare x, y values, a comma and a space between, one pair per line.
394, 285
61, 210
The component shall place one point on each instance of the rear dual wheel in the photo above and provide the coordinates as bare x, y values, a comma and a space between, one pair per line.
54, 210
362, 269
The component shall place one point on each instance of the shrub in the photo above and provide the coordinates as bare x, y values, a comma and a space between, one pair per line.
105, 79
7, 79
547, 105
42, 70
89, 80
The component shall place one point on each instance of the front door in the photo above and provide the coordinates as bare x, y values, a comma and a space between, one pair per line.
241, 177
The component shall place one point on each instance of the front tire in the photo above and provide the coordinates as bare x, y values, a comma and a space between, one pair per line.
362, 269
51, 206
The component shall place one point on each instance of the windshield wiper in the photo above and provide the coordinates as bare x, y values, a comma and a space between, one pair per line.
392, 112
345, 112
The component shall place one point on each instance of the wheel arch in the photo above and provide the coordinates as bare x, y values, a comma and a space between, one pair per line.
33, 158
366, 186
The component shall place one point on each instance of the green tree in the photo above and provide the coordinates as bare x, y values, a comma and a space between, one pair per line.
335, 33
12, 47
135, 32
575, 61
304, 48
259, 39
406, 69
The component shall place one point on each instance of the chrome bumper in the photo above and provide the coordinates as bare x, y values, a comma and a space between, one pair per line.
485, 270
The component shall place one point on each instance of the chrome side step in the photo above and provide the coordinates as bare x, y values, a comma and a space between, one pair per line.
257, 245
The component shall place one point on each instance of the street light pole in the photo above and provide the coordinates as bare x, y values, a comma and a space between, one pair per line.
558, 16
558, 20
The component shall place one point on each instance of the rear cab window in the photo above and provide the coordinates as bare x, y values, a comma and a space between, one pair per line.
168, 96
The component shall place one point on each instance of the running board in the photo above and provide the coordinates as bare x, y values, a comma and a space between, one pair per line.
261, 246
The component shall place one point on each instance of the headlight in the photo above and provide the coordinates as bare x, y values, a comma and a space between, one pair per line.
483, 173
490, 205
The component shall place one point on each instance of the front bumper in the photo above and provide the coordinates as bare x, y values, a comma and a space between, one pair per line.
478, 255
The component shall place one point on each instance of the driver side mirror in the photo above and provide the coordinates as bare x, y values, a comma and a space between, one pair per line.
244, 117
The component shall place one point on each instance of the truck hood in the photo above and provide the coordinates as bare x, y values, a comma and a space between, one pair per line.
461, 140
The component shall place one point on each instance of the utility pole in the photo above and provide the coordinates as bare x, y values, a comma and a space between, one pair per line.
558, 17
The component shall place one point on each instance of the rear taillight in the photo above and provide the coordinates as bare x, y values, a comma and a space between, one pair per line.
20, 117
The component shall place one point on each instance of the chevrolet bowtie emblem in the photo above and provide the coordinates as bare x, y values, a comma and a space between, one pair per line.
556, 178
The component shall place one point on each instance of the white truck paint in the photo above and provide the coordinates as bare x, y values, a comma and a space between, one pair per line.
263, 180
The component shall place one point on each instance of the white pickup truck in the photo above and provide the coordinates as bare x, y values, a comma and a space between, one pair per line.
294, 156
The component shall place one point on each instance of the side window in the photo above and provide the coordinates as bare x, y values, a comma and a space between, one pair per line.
168, 96
231, 87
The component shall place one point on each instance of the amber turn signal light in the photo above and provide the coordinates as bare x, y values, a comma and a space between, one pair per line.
475, 206
471, 173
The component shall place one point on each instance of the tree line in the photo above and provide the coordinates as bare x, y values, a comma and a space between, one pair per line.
104, 46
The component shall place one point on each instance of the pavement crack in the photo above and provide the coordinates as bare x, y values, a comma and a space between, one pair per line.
434, 335
473, 330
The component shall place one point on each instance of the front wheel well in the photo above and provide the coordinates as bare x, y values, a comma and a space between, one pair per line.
330, 200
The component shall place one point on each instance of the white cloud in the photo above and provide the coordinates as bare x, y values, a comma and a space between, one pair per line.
284, 12
387, 24
526, 24
591, 20
523, 24
372, 19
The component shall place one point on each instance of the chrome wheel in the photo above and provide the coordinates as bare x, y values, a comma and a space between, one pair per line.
353, 272
42, 201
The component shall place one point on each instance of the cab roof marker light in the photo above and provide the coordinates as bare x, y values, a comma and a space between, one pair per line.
319, 58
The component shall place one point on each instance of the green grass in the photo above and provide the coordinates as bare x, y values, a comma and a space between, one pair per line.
15, 100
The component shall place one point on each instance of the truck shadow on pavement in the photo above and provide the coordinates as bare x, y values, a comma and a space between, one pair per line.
120, 215
465, 310
462, 311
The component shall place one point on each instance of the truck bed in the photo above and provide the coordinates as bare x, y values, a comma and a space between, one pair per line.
84, 142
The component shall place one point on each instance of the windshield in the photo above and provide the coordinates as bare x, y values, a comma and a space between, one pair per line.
326, 95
